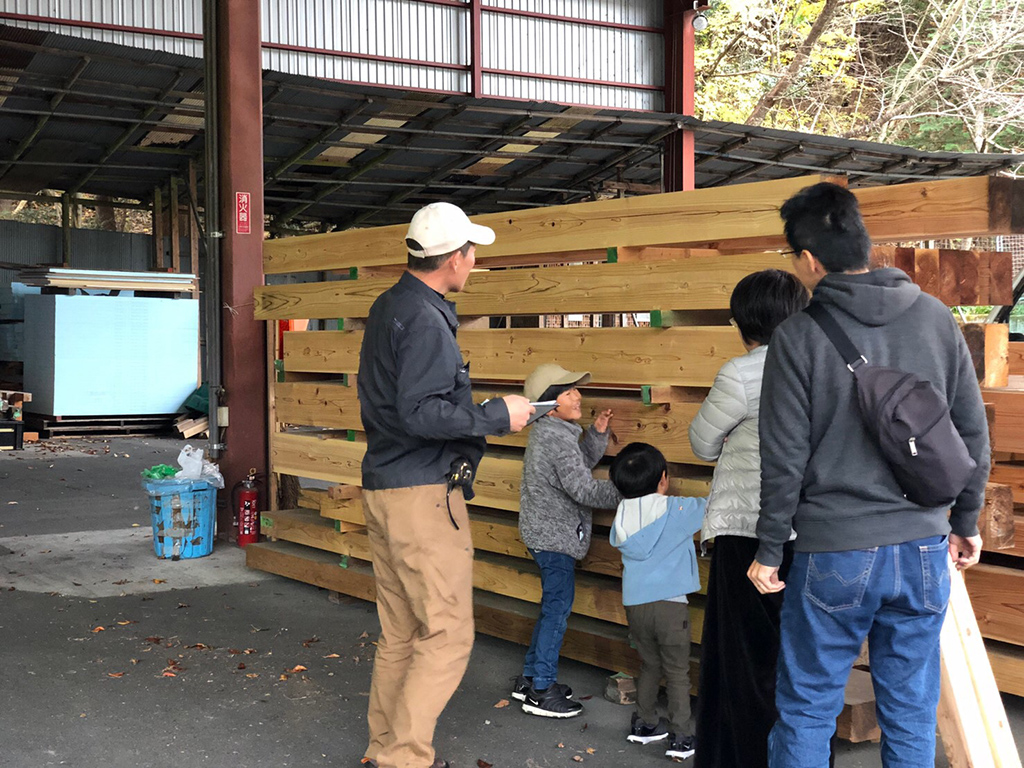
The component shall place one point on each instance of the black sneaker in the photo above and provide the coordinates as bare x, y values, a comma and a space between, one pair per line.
550, 703
521, 686
642, 733
681, 747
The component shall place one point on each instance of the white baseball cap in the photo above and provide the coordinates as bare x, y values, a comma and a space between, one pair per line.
548, 374
441, 228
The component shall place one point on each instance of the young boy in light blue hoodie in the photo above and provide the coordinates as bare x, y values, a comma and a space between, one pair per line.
655, 533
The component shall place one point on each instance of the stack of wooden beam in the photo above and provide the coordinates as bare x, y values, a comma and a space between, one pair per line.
677, 256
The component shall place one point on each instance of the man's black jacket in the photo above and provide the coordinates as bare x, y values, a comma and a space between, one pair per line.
414, 391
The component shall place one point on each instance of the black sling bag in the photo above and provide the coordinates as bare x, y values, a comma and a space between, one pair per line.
910, 422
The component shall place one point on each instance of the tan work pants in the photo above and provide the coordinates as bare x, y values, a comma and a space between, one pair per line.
423, 570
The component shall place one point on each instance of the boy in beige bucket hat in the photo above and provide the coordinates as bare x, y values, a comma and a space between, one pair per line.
557, 496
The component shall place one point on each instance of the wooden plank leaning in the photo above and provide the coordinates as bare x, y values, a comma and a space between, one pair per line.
972, 720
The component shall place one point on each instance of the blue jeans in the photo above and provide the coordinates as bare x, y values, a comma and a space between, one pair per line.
896, 597
558, 589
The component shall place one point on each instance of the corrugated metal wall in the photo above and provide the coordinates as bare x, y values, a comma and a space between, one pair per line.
306, 36
22, 243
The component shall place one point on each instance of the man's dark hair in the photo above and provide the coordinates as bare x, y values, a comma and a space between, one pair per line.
825, 220
637, 470
430, 263
763, 300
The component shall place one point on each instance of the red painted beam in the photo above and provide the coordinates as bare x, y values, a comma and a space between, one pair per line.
572, 19
243, 347
680, 79
476, 55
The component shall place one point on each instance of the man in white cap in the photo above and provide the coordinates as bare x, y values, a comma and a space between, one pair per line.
424, 440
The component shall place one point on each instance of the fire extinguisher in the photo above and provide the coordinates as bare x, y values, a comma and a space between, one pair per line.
247, 510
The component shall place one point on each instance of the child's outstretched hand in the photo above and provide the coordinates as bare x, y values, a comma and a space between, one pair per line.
601, 422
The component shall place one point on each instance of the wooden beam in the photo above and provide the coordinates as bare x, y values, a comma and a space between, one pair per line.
946, 208
174, 209
997, 594
716, 213
699, 283
996, 522
679, 356
1015, 358
159, 230
741, 216
1009, 427
988, 344
333, 405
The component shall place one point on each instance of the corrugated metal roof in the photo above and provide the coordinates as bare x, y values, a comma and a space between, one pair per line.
375, 154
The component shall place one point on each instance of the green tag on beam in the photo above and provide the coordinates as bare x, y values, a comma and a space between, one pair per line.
645, 394
344, 561
279, 369
613, 255
266, 522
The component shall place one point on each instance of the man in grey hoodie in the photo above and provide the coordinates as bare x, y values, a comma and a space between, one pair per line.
868, 562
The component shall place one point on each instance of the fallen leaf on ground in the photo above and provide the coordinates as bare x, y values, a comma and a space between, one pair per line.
296, 669
233, 650
241, 666
135, 661
332, 656
584, 727
313, 639
584, 698
154, 639
590, 750
577, 758
483, 764
98, 629
501, 704
364, 635
253, 674
115, 674
561, 745
183, 605
250, 651
169, 674
126, 623
159, 581
199, 646
283, 677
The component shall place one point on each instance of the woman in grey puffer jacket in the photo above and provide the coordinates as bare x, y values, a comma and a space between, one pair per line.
736, 706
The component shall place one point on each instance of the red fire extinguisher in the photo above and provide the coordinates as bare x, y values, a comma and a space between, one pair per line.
247, 515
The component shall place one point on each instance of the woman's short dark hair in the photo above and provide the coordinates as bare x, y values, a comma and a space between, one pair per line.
825, 220
430, 263
637, 470
763, 300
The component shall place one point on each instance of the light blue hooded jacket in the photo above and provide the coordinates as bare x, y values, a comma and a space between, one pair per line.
654, 533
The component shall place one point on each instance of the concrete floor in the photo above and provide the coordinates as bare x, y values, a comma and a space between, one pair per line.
93, 626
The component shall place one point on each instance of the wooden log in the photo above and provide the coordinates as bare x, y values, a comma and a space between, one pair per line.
702, 283
679, 356
736, 212
958, 277
996, 522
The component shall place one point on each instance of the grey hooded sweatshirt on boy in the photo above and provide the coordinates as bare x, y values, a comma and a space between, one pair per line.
559, 492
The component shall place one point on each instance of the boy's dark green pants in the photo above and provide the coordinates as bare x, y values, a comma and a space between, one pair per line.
661, 633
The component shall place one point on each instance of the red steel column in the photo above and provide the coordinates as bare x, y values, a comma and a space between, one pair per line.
240, 132
680, 78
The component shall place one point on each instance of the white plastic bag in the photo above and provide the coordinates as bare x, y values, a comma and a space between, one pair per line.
191, 461
195, 467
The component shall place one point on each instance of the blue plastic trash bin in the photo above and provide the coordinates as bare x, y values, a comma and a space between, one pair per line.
184, 514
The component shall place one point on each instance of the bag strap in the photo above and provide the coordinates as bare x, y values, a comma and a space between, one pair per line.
846, 348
